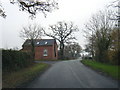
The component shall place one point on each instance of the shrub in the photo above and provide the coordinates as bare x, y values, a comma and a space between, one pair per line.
113, 57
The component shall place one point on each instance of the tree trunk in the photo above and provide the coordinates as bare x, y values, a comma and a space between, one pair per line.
61, 50
32, 50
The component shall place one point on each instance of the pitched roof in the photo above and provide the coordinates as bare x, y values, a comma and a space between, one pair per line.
40, 42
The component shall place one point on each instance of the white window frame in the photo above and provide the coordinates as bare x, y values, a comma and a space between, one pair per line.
45, 52
38, 43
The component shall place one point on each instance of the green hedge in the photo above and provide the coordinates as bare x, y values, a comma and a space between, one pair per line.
13, 60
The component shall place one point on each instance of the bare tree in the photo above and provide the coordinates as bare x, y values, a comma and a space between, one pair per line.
33, 6
31, 32
90, 47
98, 31
72, 51
63, 33
116, 6
2, 12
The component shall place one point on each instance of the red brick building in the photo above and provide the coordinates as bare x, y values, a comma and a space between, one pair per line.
45, 49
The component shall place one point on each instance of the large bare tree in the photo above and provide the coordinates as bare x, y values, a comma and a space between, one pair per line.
34, 6
63, 33
31, 32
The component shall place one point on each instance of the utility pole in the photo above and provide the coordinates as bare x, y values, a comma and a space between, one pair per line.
92, 47
118, 31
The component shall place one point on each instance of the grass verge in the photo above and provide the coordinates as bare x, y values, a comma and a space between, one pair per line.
15, 79
110, 70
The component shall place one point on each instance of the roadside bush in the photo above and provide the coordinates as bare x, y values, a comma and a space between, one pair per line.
113, 57
13, 60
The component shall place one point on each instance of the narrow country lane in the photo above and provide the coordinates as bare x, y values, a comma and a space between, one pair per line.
71, 74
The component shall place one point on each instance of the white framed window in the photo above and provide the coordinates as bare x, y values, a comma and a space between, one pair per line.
38, 42
46, 42
45, 52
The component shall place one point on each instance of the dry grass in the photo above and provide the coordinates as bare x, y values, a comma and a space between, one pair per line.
14, 79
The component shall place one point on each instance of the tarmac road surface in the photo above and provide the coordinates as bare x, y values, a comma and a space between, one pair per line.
71, 74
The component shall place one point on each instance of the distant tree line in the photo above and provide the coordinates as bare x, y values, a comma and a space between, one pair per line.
72, 51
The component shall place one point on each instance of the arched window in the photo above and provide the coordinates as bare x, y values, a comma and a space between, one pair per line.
45, 52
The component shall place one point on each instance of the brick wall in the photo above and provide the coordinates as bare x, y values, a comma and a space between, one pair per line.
51, 55
39, 52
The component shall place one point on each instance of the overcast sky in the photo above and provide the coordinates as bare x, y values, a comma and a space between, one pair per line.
77, 11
